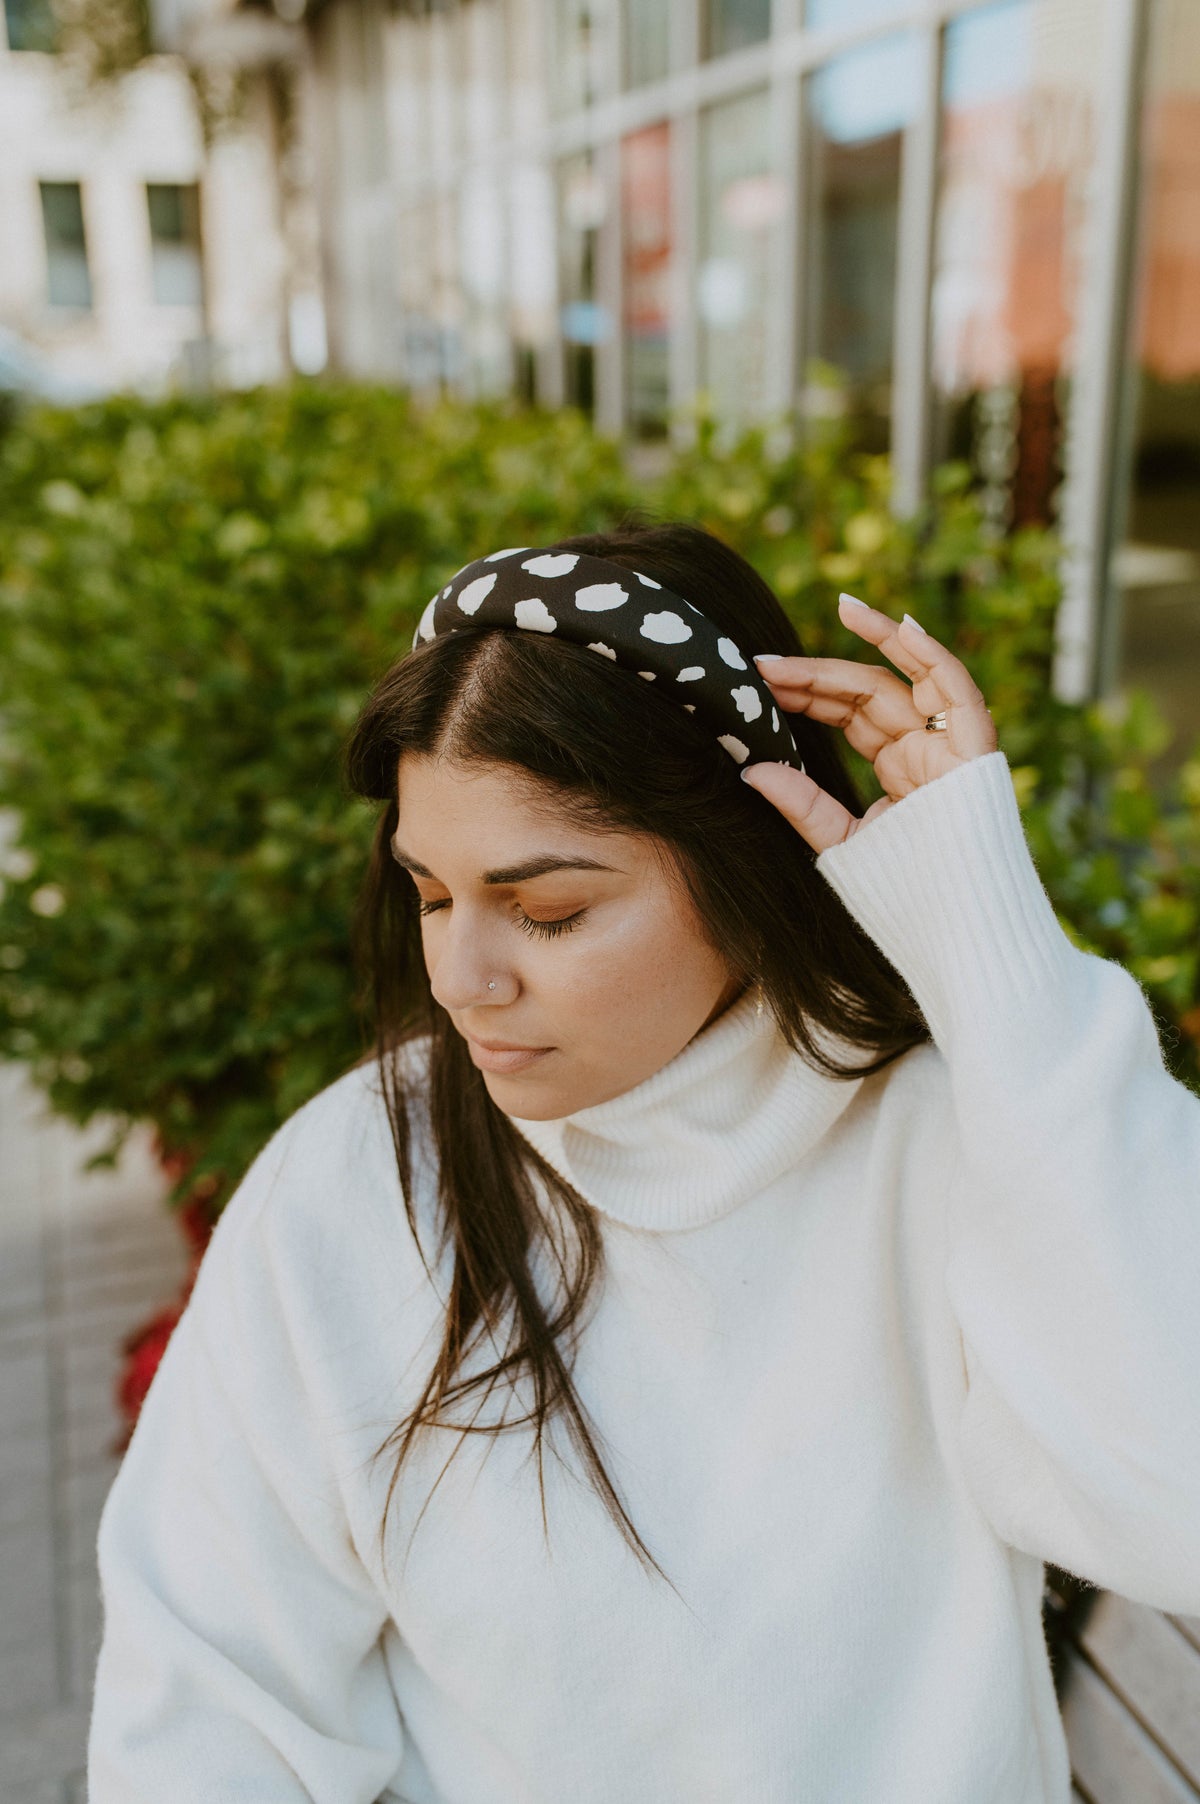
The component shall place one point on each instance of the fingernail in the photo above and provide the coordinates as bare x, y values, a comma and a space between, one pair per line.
760, 657
915, 623
853, 598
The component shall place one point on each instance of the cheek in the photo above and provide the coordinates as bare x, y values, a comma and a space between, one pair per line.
646, 955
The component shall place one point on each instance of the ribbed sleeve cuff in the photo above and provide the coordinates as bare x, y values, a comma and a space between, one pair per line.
946, 887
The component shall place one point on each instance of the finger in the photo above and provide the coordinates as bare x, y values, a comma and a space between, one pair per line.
817, 816
888, 696
870, 705
948, 684
939, 678
861, 731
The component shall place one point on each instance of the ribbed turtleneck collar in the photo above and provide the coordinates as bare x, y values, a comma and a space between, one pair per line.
716, 1124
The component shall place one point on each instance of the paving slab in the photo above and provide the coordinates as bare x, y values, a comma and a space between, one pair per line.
85, 1258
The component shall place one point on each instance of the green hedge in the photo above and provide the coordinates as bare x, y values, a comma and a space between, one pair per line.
195, 596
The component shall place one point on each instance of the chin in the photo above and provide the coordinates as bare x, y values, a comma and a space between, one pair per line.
509, 1094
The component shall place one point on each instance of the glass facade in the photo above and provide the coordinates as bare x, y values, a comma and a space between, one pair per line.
731, 24
646, 276
647, 42
741, 205
1155, 564
584, 321
858, 107
1017, 149
845, 15
796, 206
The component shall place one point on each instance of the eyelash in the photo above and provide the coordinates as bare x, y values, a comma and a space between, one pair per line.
546, 929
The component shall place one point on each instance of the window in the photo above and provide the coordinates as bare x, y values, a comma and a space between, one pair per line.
175, 243
646, 251
1155, 568
1018, 126
824, 15
30, 25
647, 41
858, 107
582, 206
68, 283
731, 24
741, 202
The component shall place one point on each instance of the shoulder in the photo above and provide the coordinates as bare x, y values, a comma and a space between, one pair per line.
912, 1104
345, 1124
327, 1183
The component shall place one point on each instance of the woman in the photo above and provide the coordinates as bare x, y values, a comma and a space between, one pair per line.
787, 1174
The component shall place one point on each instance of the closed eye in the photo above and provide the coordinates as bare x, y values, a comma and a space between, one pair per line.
548, 929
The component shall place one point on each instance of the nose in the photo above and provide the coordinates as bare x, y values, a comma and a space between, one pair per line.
461, 960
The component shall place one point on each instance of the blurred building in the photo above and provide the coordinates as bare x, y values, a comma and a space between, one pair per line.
984, 217
132, 252
973, 223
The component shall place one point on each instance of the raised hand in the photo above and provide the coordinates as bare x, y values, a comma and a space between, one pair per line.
882, 716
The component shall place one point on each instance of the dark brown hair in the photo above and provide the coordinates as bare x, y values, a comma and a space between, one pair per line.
601, 752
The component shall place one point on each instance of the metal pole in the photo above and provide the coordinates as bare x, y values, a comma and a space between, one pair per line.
683, 337
914, 275
1087, 618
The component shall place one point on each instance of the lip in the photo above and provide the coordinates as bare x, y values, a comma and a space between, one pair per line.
498, 1057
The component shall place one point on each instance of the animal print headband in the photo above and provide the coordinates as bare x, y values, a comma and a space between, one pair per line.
630, 618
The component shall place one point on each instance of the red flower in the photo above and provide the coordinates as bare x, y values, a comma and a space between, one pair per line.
142, 1350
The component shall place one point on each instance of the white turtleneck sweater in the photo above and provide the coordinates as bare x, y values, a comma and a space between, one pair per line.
866, 1353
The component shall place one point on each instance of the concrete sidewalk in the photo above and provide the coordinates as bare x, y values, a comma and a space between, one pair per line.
84, 1258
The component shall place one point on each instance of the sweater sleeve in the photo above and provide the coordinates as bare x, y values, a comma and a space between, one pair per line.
240, 1656
1073, 1216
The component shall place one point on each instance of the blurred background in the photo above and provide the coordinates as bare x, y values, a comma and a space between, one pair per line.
305, 304
986, 218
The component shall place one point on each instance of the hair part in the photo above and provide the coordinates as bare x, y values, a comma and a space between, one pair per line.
605, 754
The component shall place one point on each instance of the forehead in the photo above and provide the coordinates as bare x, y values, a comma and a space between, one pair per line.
432, 791
485, 816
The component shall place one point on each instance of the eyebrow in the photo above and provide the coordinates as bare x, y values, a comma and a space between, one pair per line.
512, 873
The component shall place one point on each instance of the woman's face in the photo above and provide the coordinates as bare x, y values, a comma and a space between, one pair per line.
602, 962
